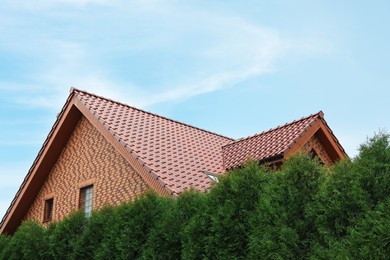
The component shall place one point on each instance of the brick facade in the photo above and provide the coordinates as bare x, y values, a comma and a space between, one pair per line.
315, 144
87, 159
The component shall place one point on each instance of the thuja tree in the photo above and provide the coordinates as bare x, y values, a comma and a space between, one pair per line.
29, 242
195, 233
64, 236
93, 233
339, 203
130, 226
373, 167
281, 227
221, 229
165, 240
303, 210
231, 205
351, 205
369, 236
3, 243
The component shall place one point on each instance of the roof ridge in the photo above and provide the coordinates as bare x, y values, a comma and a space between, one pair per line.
72, 90
319, 114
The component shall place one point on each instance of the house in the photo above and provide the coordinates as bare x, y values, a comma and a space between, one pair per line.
100, 151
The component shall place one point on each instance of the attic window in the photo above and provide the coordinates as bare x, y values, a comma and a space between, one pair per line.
85, 200
212, 176
48, 210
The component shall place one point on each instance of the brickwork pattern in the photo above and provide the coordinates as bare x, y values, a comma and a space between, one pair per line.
315, 144
88, 158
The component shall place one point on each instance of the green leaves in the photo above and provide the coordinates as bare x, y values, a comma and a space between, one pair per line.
130, 227
29, 242
303, 210
372, 166
3, 243
281, 227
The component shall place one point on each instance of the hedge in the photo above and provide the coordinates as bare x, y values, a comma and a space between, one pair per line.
303, 210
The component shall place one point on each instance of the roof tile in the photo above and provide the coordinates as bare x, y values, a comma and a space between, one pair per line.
178, 154
266, 144
173, 151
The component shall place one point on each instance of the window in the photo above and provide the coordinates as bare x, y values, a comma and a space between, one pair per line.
48, 210
85, 200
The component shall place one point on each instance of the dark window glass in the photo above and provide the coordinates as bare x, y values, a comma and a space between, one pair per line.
48, 211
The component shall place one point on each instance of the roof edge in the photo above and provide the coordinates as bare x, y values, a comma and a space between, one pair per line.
320, 114
312, 129
73, 90
134, 160
35, 164
334, 137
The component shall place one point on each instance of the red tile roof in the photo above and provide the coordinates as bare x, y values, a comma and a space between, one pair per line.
171, 155
177, 154
268, 144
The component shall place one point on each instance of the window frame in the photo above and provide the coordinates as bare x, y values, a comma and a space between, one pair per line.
48, 210
86, 200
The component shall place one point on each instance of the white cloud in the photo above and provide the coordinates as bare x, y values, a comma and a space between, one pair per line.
69, 66
207, 51
210, 84
239, 51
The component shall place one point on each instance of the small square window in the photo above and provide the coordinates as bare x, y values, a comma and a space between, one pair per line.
85, 200
48, 210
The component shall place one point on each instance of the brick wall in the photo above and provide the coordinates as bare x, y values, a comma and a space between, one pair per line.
315, 144
87, 159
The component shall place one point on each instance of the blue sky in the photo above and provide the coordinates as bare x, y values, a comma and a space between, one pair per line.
232, 67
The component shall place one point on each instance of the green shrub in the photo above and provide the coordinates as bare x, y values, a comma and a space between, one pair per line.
28, 242
3, 244
195, 232
303, 210
231, 203
270, 236
165, 240
281, 227
370, 237
94, 232
338, 204
372, 165
131, 224
64, 236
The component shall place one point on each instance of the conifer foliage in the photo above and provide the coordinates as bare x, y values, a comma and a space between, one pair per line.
303, 210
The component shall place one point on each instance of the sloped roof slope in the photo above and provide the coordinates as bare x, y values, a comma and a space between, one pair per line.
269, 144
177, 154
